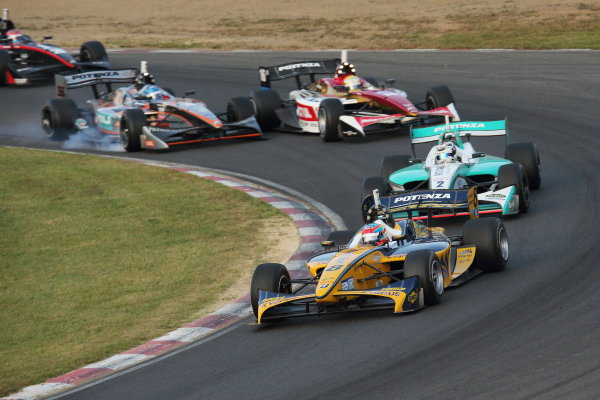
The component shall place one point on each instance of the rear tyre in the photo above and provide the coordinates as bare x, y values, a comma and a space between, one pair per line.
491, 241
58, 118
341, 238
375, 182
514, 174
93, 51
270, 277
438, 96
265, 104
330, 111
527, 155
132, 126
426, 265
239, 108
391, 164
4, 61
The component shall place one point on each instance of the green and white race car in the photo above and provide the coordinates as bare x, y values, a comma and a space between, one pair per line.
502, 184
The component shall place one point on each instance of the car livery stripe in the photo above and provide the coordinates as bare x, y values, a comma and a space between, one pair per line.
65, 62
312, 228
213, 139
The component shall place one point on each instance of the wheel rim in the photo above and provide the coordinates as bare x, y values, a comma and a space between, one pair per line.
503, 243
525, 188
125, 137
283, 284
47, 123
430, 103
437, 277
322, 123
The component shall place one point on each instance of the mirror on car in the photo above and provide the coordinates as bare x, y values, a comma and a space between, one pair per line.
389, 82
189, 92
415, 160
47, 37
478, 155
327, 243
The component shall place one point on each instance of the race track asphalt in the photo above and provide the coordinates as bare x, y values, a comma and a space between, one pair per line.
529, 332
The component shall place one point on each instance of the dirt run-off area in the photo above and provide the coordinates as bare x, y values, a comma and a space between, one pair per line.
313, 24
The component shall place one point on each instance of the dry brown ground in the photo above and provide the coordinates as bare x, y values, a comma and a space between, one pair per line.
311, 24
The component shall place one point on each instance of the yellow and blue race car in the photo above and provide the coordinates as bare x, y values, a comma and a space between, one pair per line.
402, 265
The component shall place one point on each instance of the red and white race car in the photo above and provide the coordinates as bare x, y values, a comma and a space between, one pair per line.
344, 104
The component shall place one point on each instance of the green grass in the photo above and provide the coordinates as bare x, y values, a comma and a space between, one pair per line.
99, 255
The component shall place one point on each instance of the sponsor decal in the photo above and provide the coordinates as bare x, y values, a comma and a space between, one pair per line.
412, 297
149, 143
427, 196
298, 65
379, 283
348, 284
496, 196
376, 258
324, 286
460, 126
273, 301
106, 74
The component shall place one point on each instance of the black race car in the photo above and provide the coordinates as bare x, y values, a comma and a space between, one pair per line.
23, 61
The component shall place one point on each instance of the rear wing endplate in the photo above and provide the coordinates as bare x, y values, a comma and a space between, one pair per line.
296, 70
454, 201
93, 78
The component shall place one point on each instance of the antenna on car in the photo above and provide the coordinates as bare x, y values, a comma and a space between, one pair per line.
5, 13
376, 198
344, 57
144, 67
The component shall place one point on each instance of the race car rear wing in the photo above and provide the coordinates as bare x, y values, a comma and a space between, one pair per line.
427, 204
93, 79
296, 70
466, 129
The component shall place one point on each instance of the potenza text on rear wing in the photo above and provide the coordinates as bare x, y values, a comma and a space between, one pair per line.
296, 70
93, 78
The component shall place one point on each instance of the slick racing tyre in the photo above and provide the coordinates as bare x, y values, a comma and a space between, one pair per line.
239, 108
132, 125
438, 96
527, 155
491, 241
426, 265
265, 104
340, 238
330, 111
270, 277
374, 182
514, 174
93, 51
4, 61
58, 118
391, 164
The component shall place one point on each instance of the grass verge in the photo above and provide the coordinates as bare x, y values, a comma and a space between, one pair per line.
99, 255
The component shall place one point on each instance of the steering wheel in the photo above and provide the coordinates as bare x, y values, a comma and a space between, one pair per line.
382, 213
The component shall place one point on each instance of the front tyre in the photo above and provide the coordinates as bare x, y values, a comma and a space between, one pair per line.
426, 265
527, 155
58, 118
239, 108
330, 111
93, 51
438, 96
491, 241
514, 174
270, 277
265, 104
132, 125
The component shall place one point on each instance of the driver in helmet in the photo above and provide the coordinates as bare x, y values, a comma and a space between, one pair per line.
14, 36
345, 75
445, 153
382, 231
147, 89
